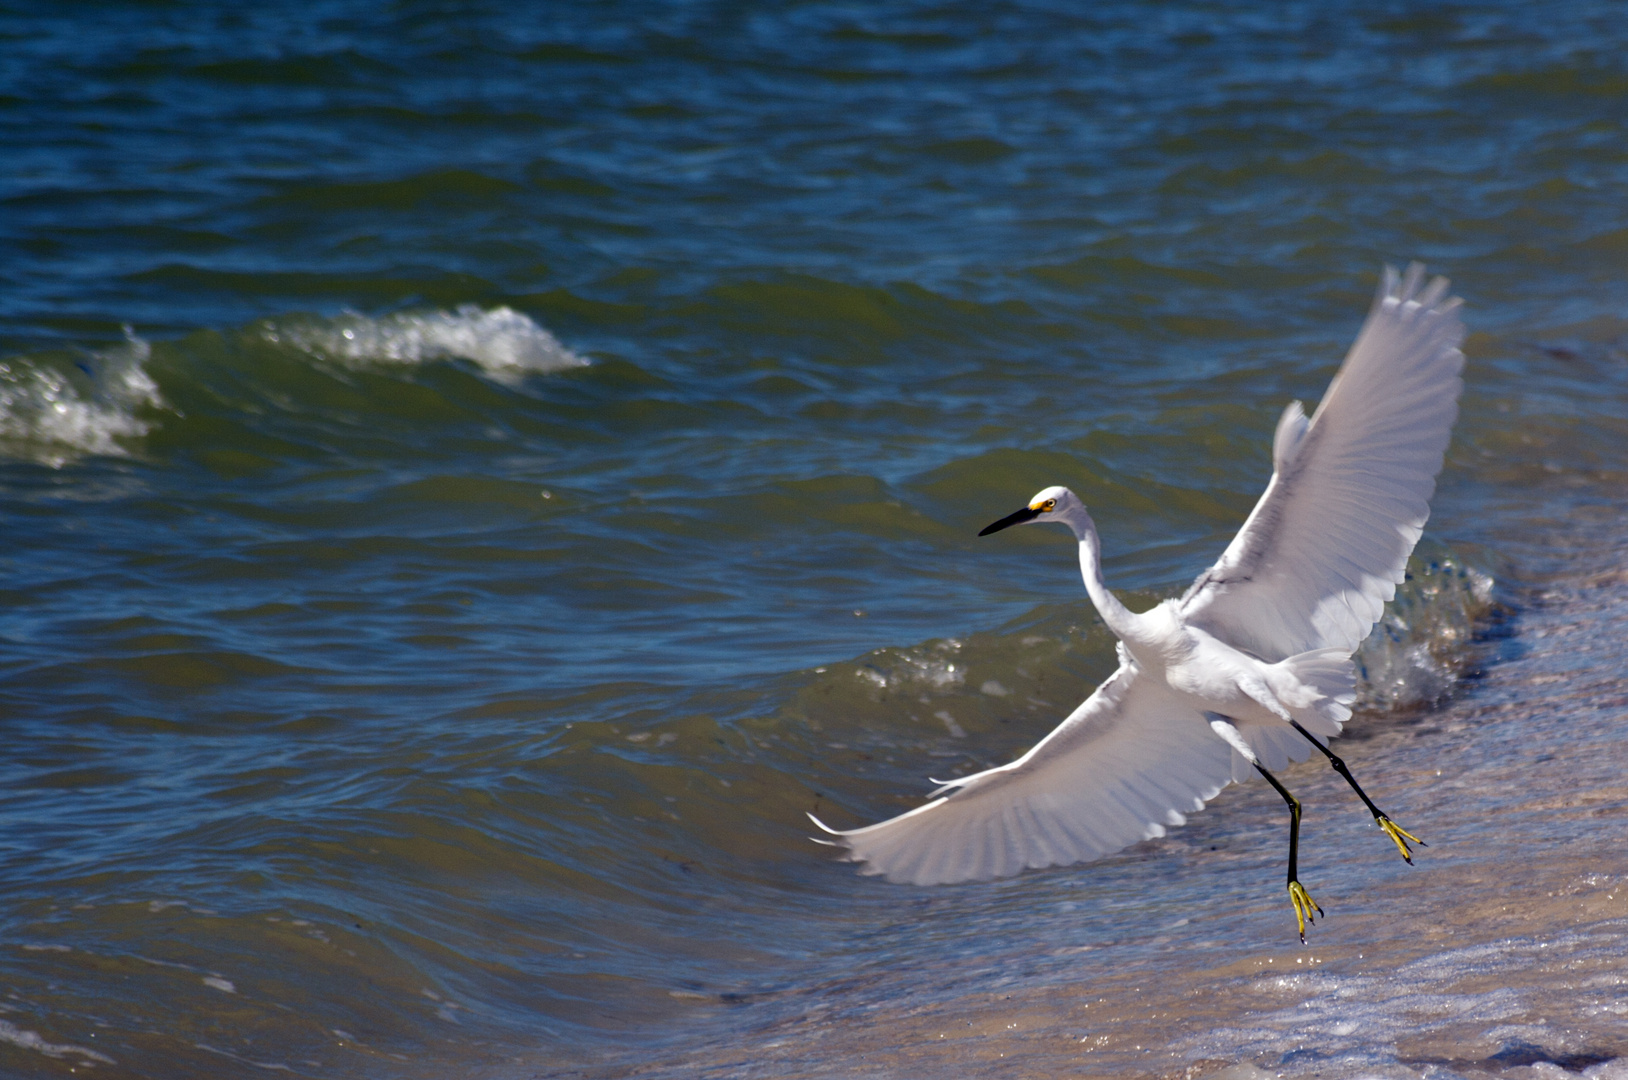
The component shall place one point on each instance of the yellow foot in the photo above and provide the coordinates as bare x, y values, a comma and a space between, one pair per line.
1400, 835
1304, 905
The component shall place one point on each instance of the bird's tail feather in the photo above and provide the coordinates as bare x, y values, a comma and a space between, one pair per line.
1320, 688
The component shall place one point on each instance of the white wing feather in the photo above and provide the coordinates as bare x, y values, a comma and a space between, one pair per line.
1311, 569
1329, 540
1125, 764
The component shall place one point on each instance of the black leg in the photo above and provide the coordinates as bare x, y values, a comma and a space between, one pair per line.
1304, 905
1398, 834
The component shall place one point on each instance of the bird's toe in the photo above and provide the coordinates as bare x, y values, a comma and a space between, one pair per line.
1400, 837
1304, 905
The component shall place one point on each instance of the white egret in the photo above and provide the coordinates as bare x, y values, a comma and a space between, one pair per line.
1251, 668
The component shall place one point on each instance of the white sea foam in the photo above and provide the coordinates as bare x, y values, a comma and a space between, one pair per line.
928, 667
1351, 1025
57, 408
1421, 645
31, 1040
506, 344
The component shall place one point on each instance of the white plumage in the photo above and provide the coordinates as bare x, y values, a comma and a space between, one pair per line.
1209, 685
1325, 547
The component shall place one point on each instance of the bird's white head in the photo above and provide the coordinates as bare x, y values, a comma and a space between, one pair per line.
1049, 504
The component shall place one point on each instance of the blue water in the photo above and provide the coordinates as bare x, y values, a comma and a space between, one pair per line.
474, 476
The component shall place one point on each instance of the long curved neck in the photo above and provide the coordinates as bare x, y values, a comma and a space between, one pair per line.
1125, 623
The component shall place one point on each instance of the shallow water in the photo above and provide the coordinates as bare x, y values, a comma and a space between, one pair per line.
473, 481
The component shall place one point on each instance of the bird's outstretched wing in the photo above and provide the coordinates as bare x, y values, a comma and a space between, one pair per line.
1328, 542
1125, 764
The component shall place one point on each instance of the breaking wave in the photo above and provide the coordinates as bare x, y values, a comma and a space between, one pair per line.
1421, 646
506, 344
58, 407
61, 405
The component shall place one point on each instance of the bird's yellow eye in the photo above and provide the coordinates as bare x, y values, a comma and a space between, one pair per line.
1049, 504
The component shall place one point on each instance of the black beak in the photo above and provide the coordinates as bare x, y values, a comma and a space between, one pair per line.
1026, 514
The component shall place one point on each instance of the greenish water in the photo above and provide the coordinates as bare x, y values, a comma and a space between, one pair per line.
473, 478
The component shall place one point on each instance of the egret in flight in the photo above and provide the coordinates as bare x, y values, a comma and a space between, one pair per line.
1251, 668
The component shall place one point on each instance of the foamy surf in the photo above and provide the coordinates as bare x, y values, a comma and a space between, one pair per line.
1421, 646
504, 343
56, 408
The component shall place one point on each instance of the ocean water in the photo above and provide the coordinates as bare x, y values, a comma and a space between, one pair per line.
473, 477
